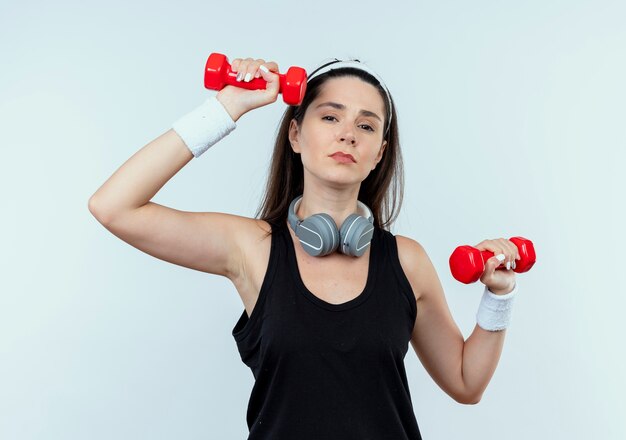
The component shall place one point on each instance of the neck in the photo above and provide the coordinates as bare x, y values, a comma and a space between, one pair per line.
338, 205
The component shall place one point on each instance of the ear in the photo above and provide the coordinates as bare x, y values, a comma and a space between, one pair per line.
379, 156
293, 136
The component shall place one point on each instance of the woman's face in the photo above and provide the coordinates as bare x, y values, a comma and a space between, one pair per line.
348, 116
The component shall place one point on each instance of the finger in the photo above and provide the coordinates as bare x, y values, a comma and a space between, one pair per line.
271, 66
480, 246
258, 64
237, 65
254, 69
243, 69
265, 73
490, 245
496, 260
234, 66
495, 246
510, 253
246, 74
251, 70
273, 83
492, 264
514, 253
504, 249
253, 66
509, 250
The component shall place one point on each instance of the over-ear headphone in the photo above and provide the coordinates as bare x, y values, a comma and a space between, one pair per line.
320, 236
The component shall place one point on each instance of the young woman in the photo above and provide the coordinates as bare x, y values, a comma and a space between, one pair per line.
331, 297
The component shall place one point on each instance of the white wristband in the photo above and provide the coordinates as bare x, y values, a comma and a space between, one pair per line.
201, 128
494, 311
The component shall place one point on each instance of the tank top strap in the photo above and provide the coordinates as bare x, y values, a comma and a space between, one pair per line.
391, 260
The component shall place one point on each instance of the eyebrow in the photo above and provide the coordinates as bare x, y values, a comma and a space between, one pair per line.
343, 107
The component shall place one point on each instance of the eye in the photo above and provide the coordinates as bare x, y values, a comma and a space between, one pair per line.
368, 127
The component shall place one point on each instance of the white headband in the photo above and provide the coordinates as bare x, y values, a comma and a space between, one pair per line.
338, 64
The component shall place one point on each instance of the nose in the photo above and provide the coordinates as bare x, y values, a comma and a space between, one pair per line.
347, 134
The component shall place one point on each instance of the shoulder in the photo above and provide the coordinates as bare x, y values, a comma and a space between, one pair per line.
409, 250
415, 263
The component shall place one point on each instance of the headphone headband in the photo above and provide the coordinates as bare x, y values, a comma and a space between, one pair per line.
294, 221
320, 236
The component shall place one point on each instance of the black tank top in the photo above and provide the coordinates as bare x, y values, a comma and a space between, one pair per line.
329, 371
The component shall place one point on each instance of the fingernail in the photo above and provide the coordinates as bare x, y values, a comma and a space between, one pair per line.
500, 257
514, 265
508, 265
248, 76
263, 68
239, 76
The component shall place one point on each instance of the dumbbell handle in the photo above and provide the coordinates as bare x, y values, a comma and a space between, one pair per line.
218, 73
467, 263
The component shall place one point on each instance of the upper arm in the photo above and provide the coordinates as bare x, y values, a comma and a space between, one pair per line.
436, 338
204, 241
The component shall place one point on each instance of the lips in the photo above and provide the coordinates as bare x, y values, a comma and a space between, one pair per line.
340, 154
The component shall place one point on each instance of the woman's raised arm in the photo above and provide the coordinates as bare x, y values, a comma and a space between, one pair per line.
206, 241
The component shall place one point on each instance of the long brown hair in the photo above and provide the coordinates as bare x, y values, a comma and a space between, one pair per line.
382, 190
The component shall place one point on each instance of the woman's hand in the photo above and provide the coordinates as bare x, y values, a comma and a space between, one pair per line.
499, 282
237, 100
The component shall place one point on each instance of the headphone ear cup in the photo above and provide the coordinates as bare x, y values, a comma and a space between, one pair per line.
356, 235
319, 235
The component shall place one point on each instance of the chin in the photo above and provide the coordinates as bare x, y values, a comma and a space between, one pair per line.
344, 181
344, 176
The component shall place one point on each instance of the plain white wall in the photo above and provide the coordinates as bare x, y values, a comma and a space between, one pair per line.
512, 123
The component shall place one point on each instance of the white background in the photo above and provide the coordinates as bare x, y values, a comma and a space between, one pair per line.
511, 120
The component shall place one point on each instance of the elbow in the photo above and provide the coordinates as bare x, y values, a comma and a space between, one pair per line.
91, 205
469, 399
97, 212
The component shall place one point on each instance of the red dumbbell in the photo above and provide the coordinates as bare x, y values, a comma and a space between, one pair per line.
218, 74
467, 263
